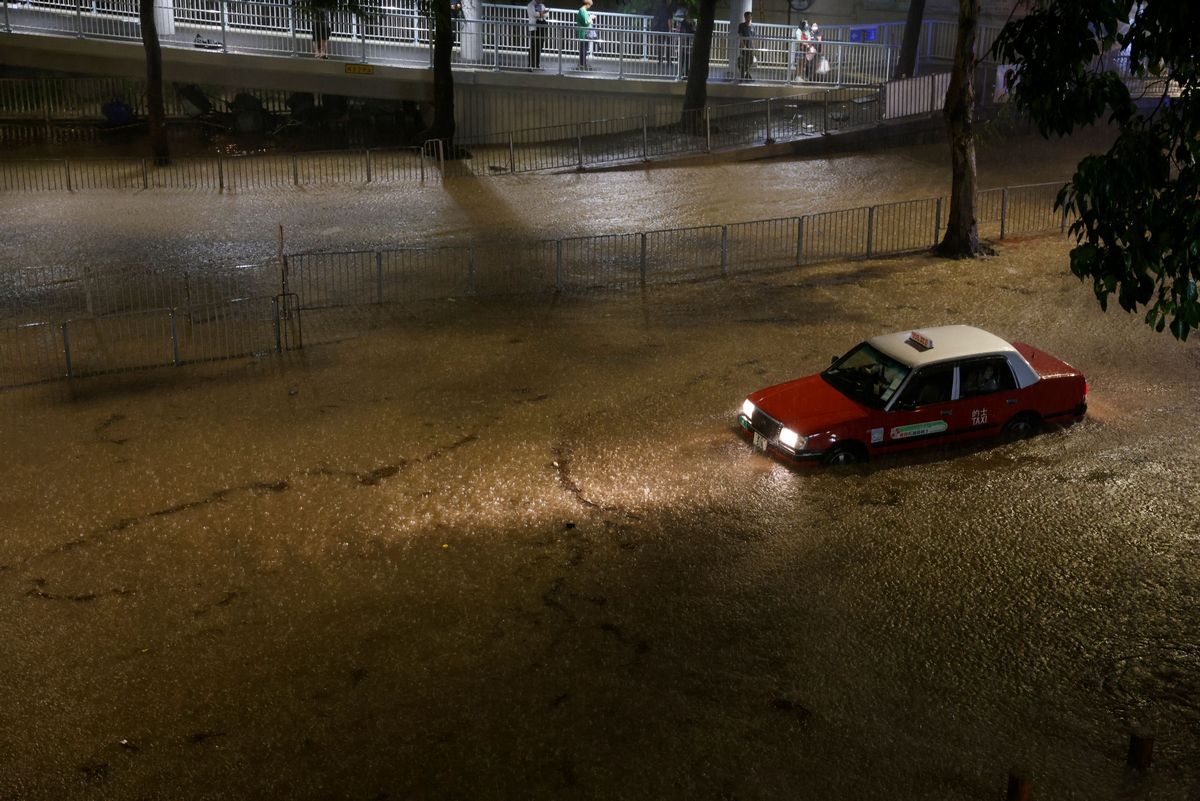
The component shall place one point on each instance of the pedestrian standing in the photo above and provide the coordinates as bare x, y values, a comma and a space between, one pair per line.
805, 52
322, 29
745, 47
661, 24
456, 16
586, 32
687, 32
538, 25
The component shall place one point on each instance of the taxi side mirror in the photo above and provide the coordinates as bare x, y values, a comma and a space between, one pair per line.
905, 405
832, 361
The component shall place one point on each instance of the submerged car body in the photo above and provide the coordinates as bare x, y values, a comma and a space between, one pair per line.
913, 389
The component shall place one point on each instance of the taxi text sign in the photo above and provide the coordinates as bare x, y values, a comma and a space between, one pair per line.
360, 69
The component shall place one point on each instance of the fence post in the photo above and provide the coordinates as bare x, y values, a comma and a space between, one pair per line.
224, 26
825, 114
441, 149
145, 175
512, 155
937, 221
707, 132
471, 270
643, 260
187, 296
870, 229
67, 169
66, 334
579, 146
558, 265
1003, 210
278, 325
220, 175
174, 340
770, 140
645, 140
379, 276
367, 152
291, 11
45, 97
7, 27
295, 170
79, 18
724, 250
800, 240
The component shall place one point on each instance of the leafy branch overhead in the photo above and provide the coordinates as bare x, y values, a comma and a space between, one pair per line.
1136, 208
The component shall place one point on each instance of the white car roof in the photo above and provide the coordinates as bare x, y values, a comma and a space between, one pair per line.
949, 342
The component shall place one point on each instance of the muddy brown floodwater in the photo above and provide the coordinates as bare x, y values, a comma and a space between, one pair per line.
516, 549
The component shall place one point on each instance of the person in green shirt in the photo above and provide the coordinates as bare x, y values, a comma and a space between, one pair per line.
586, 33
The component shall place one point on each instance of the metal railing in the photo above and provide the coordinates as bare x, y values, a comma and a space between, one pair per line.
219, 173
67, 326
591, 144
401, 21
401, 35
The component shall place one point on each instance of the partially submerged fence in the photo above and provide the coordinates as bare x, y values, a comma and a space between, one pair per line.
590, 144
63, 326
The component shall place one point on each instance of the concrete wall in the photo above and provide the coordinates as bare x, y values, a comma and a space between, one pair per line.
485, 102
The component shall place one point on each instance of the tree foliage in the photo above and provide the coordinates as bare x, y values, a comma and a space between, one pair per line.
1135, 208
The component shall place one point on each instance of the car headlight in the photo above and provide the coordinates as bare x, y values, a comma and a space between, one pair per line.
791, 439
748, 408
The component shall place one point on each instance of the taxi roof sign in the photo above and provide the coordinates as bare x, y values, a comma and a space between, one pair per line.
920, 340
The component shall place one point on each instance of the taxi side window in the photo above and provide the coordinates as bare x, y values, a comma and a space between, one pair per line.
984, 376
931, 385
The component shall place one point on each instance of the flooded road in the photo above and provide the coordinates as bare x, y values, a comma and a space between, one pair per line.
516, 549
114, 231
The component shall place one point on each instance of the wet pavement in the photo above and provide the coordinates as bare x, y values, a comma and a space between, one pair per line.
516, 549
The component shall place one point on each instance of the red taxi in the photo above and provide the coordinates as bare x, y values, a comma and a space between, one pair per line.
912, 389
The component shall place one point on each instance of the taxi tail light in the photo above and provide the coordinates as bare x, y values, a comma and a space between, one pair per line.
1085, 389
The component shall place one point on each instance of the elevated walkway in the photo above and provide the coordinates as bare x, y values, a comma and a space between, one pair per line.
633, 71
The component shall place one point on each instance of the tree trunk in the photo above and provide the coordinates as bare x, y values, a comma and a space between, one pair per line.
962, 233
906, 67
154, 84
442, 126
696, 96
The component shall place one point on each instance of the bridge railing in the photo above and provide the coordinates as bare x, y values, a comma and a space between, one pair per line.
499, 40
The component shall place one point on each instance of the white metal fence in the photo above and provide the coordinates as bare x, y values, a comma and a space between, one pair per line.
61, 325
400, 35
591, 144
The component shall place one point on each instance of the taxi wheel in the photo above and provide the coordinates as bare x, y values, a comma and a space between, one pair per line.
843, 454
1023, 426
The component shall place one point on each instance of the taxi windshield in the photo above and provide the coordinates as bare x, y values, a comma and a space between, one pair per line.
867, 376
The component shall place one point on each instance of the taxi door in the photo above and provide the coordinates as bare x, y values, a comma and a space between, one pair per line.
925, 413
988, 394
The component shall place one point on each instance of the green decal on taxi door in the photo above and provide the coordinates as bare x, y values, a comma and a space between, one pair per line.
918, 429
